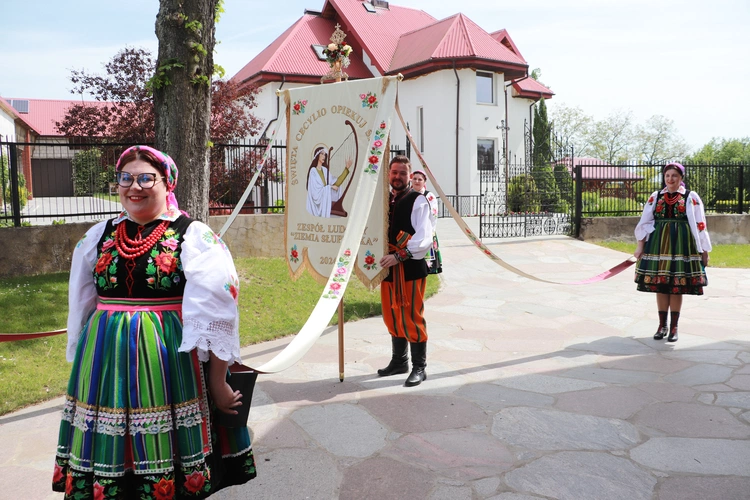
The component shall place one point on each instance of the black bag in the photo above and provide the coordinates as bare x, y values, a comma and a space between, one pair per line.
240, 378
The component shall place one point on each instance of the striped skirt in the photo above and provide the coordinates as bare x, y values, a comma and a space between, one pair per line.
137, 420
670, 262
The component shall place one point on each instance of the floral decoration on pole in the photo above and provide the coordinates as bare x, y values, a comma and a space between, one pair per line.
337, 56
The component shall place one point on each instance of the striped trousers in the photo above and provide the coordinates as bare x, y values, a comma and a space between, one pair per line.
405, 321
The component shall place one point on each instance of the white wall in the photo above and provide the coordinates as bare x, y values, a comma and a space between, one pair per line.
518, 111
7, 126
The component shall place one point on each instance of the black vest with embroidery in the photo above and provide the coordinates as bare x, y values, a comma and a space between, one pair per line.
399, 219
156, 274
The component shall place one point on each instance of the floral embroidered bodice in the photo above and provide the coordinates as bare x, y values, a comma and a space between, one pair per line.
155, 274
671, 206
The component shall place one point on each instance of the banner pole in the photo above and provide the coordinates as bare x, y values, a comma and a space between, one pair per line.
341, 340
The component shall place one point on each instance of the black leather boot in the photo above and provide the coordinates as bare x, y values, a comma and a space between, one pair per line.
672, 335
418, 363
399, 359
660, 333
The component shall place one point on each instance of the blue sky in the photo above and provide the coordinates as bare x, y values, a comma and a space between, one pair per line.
688, 60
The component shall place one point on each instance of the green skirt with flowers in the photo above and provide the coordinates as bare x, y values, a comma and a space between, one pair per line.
138, 421
670, 262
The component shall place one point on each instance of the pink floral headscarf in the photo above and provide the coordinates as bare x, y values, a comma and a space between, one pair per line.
676, 166
167, 165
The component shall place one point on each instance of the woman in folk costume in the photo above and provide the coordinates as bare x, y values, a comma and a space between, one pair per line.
321, 193
672, 250
433, 258
152, 327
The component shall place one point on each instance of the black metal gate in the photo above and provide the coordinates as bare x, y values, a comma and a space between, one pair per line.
522, 200
529, 197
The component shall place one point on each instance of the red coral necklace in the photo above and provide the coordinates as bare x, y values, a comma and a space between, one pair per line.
134, 248
671, 198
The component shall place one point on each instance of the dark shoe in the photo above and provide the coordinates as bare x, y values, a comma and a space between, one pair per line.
660, 333
672, 335
419, 364
399, 359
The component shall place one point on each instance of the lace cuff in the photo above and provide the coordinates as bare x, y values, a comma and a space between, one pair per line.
219, 337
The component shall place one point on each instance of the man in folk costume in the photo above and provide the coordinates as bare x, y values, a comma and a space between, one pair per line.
402, 291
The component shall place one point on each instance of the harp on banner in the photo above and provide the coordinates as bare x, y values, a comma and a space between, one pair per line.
348, 149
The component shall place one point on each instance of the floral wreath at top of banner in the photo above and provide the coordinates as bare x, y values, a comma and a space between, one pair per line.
481, 246
338, 50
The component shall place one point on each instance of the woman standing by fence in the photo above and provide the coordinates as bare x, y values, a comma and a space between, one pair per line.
672, 249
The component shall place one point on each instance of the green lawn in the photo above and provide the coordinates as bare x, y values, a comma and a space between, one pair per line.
721, 255
271, 306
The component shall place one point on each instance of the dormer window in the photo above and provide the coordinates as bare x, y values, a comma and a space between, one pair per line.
318, 49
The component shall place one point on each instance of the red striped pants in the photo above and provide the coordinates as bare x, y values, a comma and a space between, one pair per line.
405, 321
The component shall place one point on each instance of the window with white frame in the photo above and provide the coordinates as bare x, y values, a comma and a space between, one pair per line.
485, 154
485, 88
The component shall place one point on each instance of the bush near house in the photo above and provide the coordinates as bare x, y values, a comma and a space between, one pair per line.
89, 176
523, 195
5, 193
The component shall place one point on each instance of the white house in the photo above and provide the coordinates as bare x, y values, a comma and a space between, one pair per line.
466, 94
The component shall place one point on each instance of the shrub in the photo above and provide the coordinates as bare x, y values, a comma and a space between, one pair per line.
5, 193
279, 210
523, 195
549, 194
89, 176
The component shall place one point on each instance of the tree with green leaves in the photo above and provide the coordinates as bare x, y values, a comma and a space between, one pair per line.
658, 141
573, 128
612, 139
720, 159
542, 170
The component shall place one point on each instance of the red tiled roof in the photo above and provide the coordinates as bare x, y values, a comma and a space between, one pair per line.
528, 88
378, 32
44, 113
291, 55
595, 169
396, 39
504, 38
456, 37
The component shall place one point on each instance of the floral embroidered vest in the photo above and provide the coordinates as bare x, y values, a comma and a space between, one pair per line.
674, 210
156, 274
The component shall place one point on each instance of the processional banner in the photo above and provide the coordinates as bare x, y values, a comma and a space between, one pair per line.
335, 134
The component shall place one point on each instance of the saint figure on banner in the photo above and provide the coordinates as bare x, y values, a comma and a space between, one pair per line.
321, 192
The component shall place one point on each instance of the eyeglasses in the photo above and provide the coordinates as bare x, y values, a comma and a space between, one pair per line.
146, 181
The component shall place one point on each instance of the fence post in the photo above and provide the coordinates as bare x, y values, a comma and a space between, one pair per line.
579, 199
741, 191
14, 195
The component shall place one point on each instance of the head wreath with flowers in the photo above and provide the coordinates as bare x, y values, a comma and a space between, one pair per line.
338, 49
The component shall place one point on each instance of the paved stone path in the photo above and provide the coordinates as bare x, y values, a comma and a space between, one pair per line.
534, 391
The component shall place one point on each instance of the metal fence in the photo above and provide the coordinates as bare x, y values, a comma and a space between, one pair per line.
74, 181
232, 168
68, 181
623, 189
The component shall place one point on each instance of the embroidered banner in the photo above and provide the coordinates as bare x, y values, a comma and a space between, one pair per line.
333, 138
348, 255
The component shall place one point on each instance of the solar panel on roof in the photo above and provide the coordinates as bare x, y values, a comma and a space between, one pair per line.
22, 106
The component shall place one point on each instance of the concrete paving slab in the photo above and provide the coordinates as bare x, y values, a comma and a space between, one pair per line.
722, 457
583, 476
